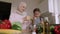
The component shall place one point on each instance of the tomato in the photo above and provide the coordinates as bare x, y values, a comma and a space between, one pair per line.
56, 29
5, 24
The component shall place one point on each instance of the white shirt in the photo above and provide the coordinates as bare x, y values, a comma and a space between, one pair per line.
17, 16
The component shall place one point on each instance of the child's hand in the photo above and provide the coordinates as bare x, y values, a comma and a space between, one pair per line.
26, 18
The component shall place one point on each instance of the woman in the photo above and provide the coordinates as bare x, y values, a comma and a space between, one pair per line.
21, 16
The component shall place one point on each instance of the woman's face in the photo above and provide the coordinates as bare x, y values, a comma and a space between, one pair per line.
37, 14
22, 7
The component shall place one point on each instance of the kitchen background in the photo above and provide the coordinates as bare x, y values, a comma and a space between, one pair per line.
42, 4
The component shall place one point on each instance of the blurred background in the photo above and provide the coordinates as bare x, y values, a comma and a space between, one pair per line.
49, 8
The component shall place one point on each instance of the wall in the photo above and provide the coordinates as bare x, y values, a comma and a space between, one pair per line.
43, 6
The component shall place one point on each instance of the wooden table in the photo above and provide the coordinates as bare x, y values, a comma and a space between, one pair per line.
9, 31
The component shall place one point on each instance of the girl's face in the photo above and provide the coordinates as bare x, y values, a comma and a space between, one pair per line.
37, 14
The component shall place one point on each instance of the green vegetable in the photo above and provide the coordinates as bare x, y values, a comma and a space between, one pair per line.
16, 26
39, 28
51, 28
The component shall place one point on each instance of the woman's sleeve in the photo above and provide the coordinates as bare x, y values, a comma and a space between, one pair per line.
11, 18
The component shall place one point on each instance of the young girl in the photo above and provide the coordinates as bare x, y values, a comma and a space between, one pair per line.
26, 25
